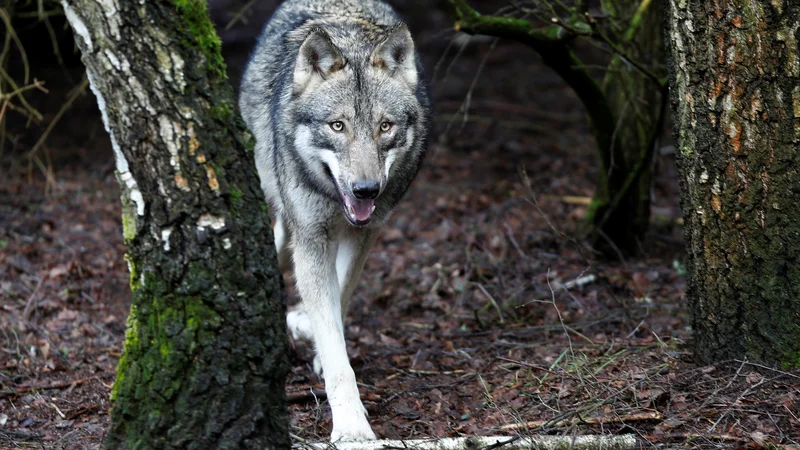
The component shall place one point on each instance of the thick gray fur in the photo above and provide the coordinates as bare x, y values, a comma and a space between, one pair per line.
320, 64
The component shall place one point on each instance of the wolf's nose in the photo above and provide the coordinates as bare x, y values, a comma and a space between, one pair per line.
366, 190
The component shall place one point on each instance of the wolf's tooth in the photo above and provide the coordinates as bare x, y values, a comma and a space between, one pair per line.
373, 209
352, 211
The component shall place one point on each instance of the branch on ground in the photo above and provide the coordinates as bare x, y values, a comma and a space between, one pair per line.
622, 442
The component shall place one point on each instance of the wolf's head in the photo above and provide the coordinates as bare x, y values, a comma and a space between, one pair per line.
358, 119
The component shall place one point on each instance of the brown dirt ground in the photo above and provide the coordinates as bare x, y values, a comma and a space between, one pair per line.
479, 311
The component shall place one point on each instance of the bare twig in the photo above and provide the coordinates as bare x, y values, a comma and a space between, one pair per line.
761, 366
318, 394
13, 35
468, 99
713, 395
527, 364
60, 413
30, 305
635, 417
738, 399
240, 15
75, 94
306, 396
31, 111
558, 311
493, 301
660, 82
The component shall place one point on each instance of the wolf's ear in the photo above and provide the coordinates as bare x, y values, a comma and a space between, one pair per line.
317, 59
396, 55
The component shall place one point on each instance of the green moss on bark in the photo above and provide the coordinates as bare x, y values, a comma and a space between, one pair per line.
128, 225
620, 209
133, 276
204, 359
131, 345
174, 350
195, 17
222, 112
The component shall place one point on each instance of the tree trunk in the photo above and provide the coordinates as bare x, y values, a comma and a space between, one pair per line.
625, 114
620, 212
735, 82
204, 362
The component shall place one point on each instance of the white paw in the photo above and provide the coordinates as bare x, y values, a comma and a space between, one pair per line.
352, 427
299, 325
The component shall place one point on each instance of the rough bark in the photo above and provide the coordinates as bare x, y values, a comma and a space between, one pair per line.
735, 82
204, 361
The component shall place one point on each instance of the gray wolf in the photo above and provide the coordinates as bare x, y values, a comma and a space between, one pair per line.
334, 97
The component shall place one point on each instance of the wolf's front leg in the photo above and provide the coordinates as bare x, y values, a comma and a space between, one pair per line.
354, 247
318, 284
282, 237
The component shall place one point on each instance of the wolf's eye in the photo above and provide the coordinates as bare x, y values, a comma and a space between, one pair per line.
386, 126
337, 126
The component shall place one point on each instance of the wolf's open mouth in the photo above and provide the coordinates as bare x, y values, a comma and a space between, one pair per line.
357, 211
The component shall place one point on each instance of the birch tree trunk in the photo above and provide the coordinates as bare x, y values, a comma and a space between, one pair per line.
204, 362
735, 82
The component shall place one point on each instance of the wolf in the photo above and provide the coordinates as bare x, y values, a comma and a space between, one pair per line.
335, 98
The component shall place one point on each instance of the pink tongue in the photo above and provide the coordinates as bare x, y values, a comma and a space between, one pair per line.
362, 209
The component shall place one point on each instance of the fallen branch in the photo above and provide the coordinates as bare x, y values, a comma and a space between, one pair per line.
606, 442
569, 199
319, 394
20, 434
81, 411
306, 396
637, 417
61, 385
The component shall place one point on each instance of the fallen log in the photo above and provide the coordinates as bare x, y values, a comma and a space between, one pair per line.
589, 442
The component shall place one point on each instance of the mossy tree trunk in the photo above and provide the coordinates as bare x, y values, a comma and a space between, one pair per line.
625, 112
620, 212
735, 83
204, 362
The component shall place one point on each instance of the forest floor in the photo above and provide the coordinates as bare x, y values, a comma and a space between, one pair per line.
480, 310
